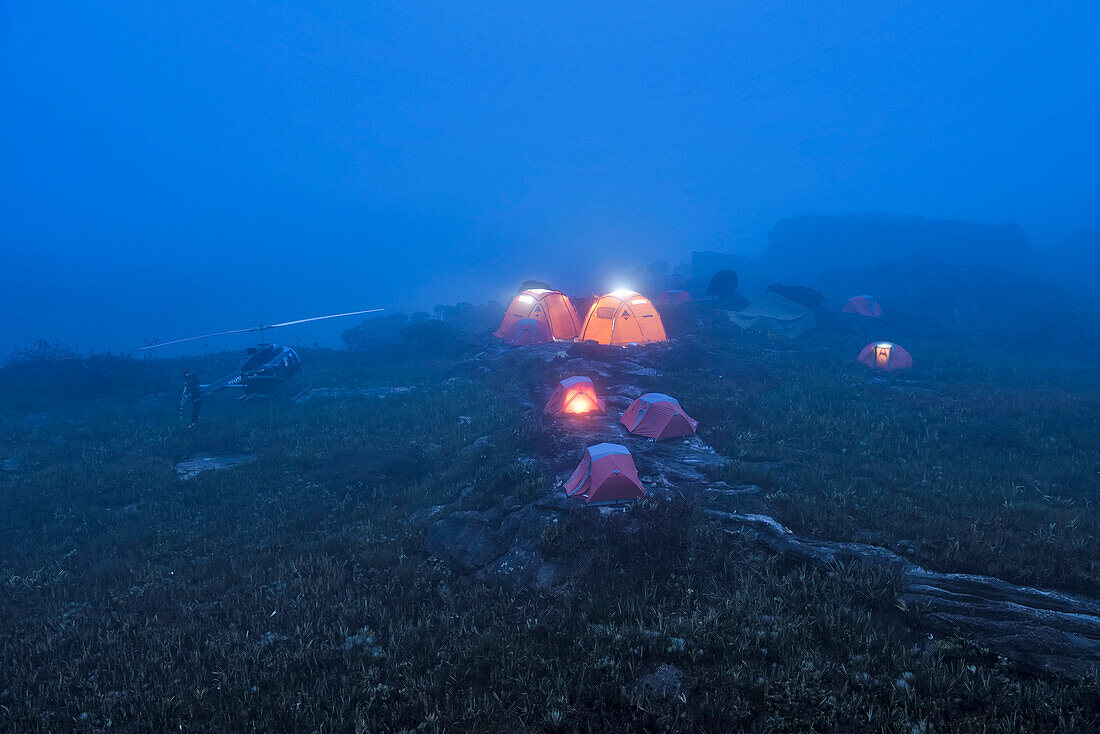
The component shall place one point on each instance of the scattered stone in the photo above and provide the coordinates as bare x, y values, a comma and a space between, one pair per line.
480, 444
908, 547
664, 681
130, 510
633, 368
737, 489
426, 515
193, 467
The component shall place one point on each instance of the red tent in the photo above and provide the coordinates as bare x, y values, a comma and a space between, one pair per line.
885, 356
658, 416
605, 475
863, 305
673, 298
576, 396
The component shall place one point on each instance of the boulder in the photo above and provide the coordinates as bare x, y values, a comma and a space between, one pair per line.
465, 541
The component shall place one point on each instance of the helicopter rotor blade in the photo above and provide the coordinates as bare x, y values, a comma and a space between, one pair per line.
258, 328
195, 338
322, 318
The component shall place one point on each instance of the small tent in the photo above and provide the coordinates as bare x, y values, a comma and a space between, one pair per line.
621, 318
773, 314
605, 475
658, 416
673, 298
862, 305
537, 316
574, 396
885, 356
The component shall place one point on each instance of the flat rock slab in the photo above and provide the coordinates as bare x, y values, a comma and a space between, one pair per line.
193, 467
347, 392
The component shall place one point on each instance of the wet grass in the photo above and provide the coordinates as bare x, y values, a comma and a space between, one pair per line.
973, 462
290, 594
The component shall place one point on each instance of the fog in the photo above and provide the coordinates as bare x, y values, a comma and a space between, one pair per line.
179, 168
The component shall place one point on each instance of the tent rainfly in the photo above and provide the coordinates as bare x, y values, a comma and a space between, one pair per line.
538, 316
862, 305
885, 356
673, 298
606, 475
773, 314
658, 416
621, 318
574, 396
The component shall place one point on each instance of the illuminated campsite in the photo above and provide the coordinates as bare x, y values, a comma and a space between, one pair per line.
510, 367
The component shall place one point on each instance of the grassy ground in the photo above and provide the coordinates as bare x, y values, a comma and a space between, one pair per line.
974, 462
290, 594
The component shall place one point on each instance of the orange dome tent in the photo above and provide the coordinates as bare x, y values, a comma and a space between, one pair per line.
885, 356
574, 396
673, 298
605, 475
862, 305
621, 318
537, 316
658, 416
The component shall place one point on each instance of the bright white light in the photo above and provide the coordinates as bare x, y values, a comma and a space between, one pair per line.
623, 293
525, 299
637, 302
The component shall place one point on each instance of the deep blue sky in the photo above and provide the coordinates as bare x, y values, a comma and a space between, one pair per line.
178, 167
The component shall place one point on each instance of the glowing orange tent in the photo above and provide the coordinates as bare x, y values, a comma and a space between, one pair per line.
537, 316
621, 318
885, 356
605, 475
673, 298
658, 416
574, 396
863, 305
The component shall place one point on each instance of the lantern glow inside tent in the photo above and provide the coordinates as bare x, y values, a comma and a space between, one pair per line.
885, 356
574, 396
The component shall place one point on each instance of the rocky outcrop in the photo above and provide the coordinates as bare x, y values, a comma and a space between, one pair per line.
195, 466
1044, 630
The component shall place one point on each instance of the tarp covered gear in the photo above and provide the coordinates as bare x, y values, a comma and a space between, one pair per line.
885, 356
862, 305
621, 318
773, 314
673, 298
658, 416
552, 309
605, 475
800, 294
574, 396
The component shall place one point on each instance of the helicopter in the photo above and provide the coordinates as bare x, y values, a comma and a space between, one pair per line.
263, 369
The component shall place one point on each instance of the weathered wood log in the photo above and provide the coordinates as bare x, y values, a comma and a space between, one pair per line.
1044, 630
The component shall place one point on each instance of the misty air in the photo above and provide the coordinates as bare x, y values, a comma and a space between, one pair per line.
512, 367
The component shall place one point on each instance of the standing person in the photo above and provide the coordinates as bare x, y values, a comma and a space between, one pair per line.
192, 393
